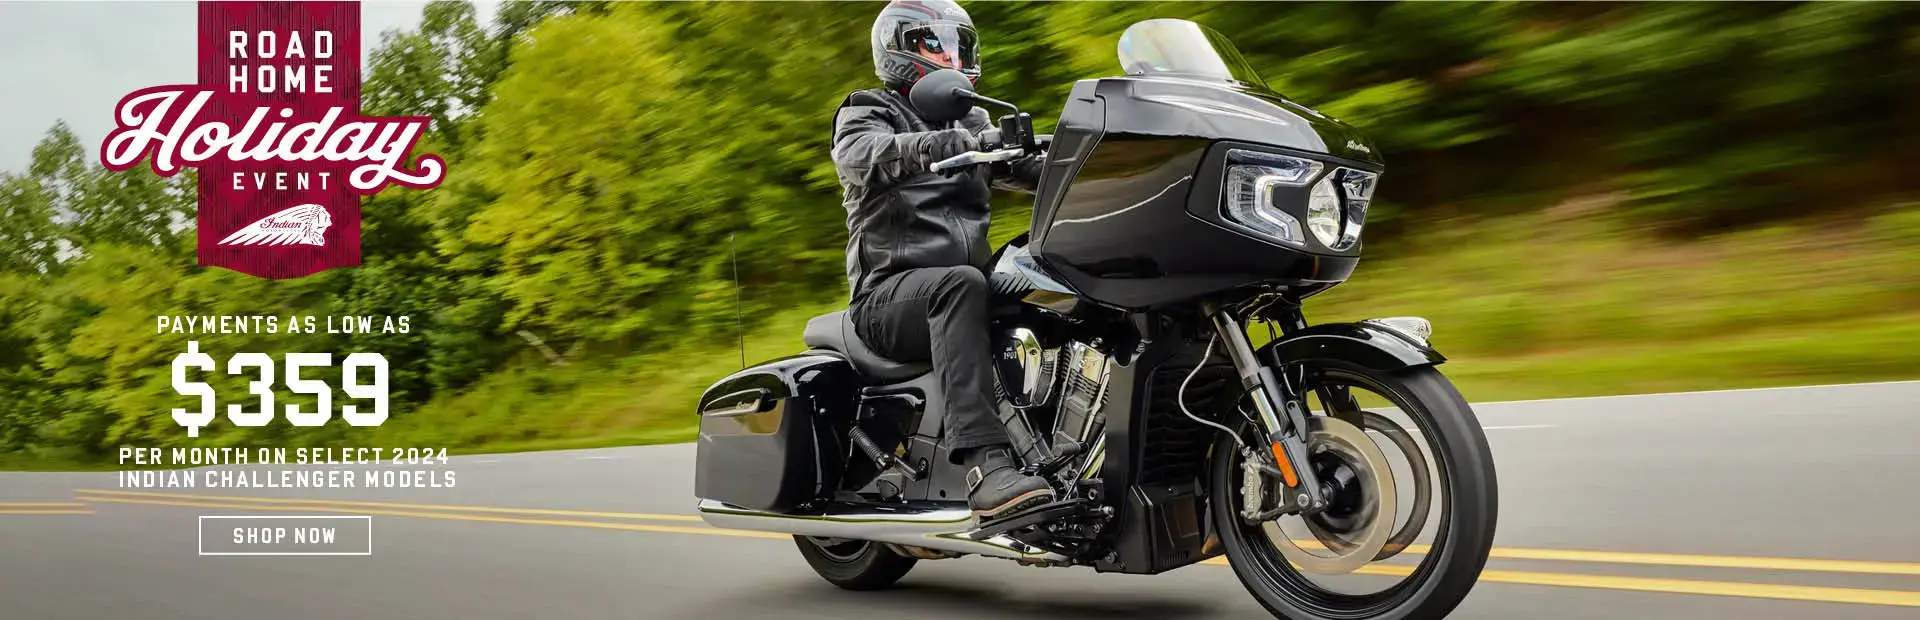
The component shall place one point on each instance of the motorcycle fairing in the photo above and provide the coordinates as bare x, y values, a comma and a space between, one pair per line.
1126, 213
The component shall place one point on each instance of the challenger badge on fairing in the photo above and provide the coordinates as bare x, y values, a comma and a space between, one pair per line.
305, 223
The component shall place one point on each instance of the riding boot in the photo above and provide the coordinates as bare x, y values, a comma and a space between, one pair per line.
995, 486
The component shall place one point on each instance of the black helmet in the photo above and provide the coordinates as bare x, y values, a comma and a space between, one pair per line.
912, 38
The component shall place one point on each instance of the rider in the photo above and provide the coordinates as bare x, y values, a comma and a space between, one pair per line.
917, 251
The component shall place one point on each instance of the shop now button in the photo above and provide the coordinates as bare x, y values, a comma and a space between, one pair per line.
286, 535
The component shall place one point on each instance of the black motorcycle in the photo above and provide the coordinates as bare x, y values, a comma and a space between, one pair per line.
1182, 204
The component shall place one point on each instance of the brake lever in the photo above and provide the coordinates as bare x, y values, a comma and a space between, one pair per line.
975, 158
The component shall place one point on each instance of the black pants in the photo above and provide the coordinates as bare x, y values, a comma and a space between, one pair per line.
939, 314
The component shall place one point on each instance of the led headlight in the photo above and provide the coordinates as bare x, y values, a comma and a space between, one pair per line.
1323, 213
1251, 179
1358, 188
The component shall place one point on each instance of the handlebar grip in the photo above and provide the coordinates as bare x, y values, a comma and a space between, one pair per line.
990, 139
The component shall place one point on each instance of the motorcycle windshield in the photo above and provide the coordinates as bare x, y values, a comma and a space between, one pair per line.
1177, 47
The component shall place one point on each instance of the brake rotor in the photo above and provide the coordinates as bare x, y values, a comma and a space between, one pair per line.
1371, 511
1337, 538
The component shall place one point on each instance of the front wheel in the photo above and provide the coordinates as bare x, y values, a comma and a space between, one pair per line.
854, 564
1438, 502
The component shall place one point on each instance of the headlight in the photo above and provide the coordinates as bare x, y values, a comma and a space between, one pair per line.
1323, 213
1251, 179
1358, 187
1258, 184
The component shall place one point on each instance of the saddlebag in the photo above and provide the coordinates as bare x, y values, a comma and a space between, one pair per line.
768, 436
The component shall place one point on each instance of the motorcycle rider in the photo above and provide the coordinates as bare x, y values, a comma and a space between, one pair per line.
917, 250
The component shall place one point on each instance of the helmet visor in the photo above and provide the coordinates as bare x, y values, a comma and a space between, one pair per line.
949, 46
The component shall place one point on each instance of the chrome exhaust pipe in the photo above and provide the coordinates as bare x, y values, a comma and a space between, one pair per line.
931, 526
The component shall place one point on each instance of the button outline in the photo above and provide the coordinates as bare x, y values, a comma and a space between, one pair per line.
200, 536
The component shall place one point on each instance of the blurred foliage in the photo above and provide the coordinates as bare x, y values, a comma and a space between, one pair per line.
1668, 186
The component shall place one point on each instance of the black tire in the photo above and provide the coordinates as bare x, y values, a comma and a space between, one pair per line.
1462, 540
854, 564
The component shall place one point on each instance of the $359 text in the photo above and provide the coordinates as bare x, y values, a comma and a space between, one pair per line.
352, 368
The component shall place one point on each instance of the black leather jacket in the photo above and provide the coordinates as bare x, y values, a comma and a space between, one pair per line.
899, 215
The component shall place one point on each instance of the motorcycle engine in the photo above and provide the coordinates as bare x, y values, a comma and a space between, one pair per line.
1025, 369
1083, 392
1032, 377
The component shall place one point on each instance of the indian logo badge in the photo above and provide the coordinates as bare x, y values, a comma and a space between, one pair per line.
275, 130
306, 224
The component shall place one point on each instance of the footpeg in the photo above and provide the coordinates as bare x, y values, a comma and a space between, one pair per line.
891, 484
882, 459
1026, 518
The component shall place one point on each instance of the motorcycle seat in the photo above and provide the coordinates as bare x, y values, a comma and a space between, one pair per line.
834, 332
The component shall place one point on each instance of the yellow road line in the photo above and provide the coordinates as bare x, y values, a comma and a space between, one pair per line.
1709, 588
1505, 553
44, 511
1896, 598
1602, 582
492, 509
7, 505
1687, 560
637, 527
1711, 561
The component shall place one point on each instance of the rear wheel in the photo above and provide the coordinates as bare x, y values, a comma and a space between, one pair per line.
854, 564
1447, 473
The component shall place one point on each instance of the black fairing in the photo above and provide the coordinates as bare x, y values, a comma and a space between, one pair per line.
1127, 213
767, 433
1349, 344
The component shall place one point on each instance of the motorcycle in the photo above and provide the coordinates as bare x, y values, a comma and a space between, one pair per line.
1338, 472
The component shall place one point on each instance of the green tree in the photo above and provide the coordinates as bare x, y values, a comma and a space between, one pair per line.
29, 237
99, 206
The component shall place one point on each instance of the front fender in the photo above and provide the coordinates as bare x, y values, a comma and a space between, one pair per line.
1360, 344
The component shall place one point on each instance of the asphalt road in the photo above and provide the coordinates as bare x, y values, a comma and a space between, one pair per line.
1786, 503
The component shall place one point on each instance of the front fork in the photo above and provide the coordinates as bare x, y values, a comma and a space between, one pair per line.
1282, 411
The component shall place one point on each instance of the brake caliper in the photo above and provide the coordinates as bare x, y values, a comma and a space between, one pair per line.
1253, 487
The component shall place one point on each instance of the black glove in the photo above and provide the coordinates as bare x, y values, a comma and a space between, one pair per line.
946, 143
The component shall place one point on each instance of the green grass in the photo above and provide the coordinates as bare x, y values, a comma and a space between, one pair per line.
1529, 307
1880, 349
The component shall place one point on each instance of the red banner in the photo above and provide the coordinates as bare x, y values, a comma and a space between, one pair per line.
303, 57
274, 127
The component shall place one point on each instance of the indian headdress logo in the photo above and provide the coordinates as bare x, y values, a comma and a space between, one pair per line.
302, 224
275, 130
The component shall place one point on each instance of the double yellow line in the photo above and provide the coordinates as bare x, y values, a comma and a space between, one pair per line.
664, 523
422, 511
44, 508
